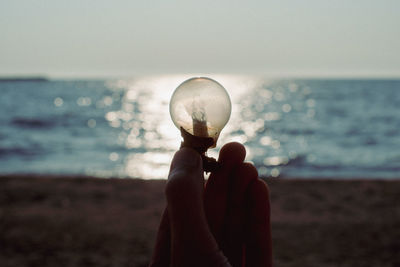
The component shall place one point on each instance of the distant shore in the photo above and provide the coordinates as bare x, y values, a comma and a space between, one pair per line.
82, 221
24, 79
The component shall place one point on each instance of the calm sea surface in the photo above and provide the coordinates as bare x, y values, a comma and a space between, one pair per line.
122, 128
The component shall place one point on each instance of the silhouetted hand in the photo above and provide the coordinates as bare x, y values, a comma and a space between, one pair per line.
224, 223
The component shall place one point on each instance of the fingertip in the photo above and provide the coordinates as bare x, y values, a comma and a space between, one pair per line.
232, 152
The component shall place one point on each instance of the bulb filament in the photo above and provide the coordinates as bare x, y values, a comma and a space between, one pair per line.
199, 120
200, 128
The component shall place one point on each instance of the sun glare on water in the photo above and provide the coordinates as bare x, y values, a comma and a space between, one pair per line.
147, 131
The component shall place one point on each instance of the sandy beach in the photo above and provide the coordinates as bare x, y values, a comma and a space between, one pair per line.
83, 221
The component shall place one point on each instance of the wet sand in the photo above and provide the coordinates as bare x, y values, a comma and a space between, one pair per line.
72, 221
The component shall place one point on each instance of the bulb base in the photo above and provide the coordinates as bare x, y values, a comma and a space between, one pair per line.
200, 144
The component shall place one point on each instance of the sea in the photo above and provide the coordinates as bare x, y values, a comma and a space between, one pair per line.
291, 128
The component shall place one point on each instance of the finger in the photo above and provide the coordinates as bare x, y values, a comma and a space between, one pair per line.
191, 239
230, 156
185, 177
186, 160
231, 153
245, 174
184, 189
185, 163
161, 255
217, 187
258, 227
234, 225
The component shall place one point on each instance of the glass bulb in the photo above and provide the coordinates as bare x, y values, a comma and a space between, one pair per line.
201, 106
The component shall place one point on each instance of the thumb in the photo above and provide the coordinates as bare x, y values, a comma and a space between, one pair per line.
185, 166
186, 160
190, 236
185, 175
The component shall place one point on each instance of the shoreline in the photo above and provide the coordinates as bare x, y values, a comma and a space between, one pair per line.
79, 221
265, 178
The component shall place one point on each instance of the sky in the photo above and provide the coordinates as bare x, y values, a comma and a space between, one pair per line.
126, 38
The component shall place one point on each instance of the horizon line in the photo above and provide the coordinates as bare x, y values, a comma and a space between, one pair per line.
267, 74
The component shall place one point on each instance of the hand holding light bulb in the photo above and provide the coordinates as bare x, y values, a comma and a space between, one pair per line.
225, 222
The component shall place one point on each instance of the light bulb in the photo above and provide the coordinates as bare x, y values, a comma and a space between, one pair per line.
200, 106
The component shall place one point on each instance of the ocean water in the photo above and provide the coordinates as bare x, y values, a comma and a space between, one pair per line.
122, 128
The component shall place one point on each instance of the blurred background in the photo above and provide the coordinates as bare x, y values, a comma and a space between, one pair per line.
314, 86
122, 127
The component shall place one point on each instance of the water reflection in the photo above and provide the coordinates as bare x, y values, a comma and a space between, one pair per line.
58, 102
150, 137
105, 128
147, 131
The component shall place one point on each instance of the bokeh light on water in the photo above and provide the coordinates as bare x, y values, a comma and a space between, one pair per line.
122, 128
147, 131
